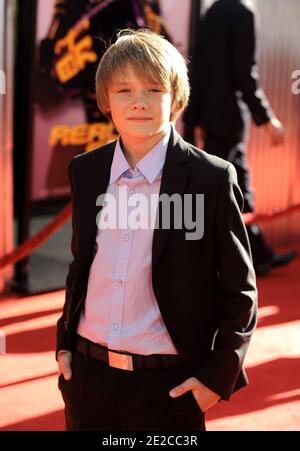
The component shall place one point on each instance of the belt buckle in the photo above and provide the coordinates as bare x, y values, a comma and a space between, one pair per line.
121, 361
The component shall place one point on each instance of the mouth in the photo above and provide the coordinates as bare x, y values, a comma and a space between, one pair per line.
139, 119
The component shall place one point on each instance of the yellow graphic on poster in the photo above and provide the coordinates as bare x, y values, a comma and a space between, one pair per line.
91, 136
77, 52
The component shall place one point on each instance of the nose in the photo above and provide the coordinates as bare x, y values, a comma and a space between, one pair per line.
139, 103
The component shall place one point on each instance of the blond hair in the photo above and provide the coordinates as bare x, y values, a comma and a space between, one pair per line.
152, 57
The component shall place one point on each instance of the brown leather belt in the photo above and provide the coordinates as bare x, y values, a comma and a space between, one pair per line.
123, 360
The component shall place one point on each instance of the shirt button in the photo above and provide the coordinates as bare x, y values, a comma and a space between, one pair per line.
115, 326
119, 282
126, 237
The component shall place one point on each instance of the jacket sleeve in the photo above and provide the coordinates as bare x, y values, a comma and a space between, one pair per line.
62, 338
245, 70
237, 292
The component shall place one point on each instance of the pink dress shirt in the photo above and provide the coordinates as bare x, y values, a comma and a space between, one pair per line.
121, 311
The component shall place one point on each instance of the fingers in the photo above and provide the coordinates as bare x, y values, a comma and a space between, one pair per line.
276, 140
204, 397
277, 136
64, 364
187, 385
276, 131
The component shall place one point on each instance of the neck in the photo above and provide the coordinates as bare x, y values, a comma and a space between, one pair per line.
135, 149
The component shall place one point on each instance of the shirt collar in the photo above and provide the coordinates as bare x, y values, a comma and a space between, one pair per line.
119, 163
150, 165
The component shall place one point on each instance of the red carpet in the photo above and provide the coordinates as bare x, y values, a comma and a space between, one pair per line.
30, 399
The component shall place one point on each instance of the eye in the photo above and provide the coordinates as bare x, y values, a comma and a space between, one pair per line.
155, 90
123, 91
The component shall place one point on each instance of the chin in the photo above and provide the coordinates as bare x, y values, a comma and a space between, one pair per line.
144, 133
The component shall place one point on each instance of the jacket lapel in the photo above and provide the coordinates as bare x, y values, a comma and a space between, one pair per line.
99, 180
174, 179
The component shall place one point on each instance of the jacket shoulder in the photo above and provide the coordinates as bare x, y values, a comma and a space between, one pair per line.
208, 162
89, 158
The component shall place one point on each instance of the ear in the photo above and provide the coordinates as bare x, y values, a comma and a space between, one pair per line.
107, 114
174, 106
175, 110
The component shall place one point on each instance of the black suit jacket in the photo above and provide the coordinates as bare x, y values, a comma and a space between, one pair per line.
205, 289
224, 73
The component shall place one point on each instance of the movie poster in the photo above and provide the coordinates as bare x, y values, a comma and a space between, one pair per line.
71, 36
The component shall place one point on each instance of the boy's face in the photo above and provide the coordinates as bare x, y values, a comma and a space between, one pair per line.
140, 109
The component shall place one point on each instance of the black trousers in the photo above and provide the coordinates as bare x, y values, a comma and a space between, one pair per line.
235, 152
101, 398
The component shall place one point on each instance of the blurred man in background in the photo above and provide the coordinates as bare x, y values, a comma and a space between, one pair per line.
224, 81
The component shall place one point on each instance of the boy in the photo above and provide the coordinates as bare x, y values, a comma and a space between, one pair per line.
157, 321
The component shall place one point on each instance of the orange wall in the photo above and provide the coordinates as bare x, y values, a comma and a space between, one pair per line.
275, 171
